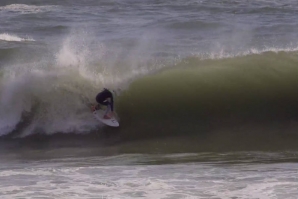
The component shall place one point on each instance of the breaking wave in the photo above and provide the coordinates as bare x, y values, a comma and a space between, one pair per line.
11, 37
189, 96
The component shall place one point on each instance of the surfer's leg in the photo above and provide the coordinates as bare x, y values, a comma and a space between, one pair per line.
108, 109
97, 106
108, 104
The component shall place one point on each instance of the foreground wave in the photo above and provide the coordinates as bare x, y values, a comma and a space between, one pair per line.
242, 97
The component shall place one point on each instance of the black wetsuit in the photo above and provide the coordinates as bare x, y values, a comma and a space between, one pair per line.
101, 98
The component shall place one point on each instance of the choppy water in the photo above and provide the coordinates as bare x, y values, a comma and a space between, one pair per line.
206, 97
226, 175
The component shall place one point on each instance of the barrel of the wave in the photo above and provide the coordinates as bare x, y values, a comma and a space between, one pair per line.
105, 98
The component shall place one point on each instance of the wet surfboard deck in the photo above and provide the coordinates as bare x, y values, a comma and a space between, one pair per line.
98, 115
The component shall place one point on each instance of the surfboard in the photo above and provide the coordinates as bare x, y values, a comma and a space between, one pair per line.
98, 115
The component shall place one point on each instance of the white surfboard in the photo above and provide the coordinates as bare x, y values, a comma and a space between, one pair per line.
98, 114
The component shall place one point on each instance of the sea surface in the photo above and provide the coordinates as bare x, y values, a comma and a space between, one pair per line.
206, 92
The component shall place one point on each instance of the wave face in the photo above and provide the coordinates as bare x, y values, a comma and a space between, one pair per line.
200, 96
191, 97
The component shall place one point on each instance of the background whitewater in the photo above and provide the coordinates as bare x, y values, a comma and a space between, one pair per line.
51, 92
50, 72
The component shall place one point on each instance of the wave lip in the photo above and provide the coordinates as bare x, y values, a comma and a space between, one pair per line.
11, 37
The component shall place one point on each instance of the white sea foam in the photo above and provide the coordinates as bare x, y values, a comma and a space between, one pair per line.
156, 181
26, 9
53, 94
56, 95
12, 37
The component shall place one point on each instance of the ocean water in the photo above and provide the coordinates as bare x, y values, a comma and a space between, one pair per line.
206, 96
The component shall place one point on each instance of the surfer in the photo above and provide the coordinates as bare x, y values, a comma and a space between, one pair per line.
105, 98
